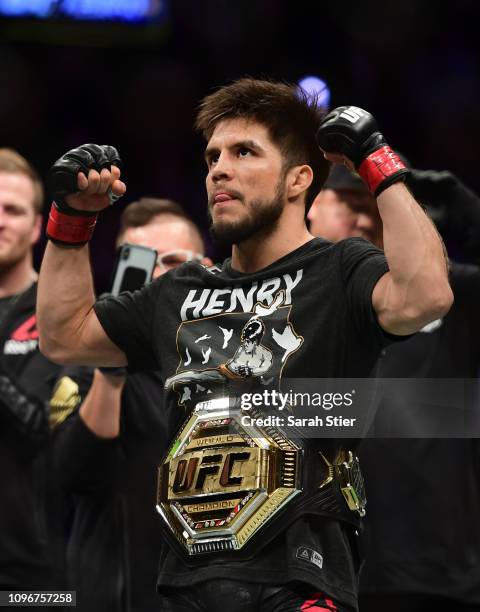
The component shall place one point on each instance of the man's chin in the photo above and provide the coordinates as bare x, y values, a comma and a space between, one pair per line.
8, 260
227, 234
262, 218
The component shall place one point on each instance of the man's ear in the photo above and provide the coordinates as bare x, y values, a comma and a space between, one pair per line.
37, 229
299, 179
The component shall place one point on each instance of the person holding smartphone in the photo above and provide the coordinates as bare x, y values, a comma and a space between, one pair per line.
108, 452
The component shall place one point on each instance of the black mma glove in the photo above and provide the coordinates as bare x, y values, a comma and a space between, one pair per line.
66, 225
351, 131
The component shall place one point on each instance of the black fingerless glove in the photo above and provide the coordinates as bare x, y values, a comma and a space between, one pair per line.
69, 226
351, 131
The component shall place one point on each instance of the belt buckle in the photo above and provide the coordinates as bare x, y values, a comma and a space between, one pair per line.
222, 480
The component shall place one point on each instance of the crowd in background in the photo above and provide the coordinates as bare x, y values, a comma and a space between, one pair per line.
417, 74
421, 82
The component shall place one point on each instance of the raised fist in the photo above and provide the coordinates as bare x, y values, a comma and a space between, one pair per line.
82, 182
352, 133
86, 171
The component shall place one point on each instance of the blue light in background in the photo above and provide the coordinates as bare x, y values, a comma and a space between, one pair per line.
127, 10
315, 86
118, 10
37, 8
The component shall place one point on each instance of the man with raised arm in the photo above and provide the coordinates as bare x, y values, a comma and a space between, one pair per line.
262, 527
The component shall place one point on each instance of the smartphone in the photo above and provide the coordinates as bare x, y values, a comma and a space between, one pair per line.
134, 268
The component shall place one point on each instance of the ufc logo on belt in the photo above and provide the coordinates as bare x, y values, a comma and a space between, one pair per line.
191, 474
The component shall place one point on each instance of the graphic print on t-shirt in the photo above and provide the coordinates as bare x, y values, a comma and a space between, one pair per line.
245, 347
24, 339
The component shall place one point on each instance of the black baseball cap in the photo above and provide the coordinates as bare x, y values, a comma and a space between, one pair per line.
341, 177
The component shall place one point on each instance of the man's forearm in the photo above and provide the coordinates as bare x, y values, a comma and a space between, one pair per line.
65, 296
100, 411
416, 290
69, 329
415, 255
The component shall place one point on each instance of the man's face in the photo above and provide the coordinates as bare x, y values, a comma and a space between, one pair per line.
329, 217
248, 346
245, 180
366, 221
19, 224
165, 234
351, 212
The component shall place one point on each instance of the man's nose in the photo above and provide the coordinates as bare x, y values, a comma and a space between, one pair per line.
222, 169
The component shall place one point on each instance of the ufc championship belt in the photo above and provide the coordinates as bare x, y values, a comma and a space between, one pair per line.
222, 480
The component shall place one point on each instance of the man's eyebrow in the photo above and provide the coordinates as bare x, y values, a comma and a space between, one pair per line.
209, 151
248, 144
15, 206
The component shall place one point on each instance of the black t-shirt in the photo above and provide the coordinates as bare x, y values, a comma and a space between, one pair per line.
41, 395
422, 524
5, 304
318, 320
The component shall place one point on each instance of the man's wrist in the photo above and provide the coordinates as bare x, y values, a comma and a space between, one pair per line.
114, 377
70, 230
381, 169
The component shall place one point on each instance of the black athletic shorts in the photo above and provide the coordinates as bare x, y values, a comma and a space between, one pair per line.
236, 596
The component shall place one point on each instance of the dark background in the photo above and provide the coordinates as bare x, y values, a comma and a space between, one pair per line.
414, 65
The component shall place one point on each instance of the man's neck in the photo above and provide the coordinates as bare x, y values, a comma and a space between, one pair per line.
266, 247
17, 279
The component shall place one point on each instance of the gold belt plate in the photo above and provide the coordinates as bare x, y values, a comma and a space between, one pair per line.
222, 481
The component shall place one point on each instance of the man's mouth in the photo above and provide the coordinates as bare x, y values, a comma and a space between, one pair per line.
222, 197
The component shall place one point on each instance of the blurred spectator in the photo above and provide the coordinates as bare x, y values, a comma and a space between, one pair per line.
35, 395
108, 452
328, 218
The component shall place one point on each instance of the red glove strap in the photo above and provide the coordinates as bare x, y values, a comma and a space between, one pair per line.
70, 229
378, 166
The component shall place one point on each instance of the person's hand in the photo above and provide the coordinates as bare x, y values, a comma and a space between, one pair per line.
337, 158
87, 178
82, 182
97, 190
349, 135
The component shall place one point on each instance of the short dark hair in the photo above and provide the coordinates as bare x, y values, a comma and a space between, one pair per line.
14, 163
291, 116
143, 211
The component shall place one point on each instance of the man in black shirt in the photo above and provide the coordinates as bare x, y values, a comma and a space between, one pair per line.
422, 537
327, 311
35, 395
